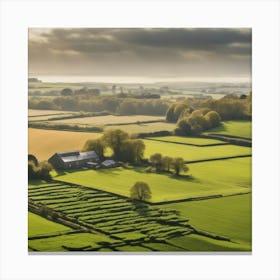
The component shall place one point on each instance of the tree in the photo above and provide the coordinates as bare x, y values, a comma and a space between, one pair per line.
132, 150
115, 139
66, 92
33, 159
141, 191
167, 161
213, 118
96, 145
183, 128
178, 165
156, 160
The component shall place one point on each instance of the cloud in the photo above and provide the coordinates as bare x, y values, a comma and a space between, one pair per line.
137, 51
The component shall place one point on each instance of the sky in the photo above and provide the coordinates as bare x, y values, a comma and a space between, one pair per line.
154, 53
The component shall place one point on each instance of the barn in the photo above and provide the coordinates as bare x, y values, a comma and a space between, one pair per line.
72, 159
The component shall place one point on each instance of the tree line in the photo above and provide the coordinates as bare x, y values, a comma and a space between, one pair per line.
113, 105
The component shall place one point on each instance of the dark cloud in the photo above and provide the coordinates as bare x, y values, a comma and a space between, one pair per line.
137, 51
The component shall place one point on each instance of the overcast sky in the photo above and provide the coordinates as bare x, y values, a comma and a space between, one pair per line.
152, 52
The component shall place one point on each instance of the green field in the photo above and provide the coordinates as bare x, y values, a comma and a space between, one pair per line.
208, 178
77, 240
198, 243
110, 119
190, 153
188, 140
236, 128
41, 226
230, 216
144, 127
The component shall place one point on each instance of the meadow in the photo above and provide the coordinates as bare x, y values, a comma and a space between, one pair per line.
230, 216
34, 113
41, 226
143, 127
234, 176
124, 225
44, 143
235, 128
190, 153
188, 140
110, 120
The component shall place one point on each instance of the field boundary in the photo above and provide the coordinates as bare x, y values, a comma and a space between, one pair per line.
214, 159
152, 203
189, 144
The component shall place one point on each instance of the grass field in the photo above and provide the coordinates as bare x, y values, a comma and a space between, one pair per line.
188, 140
143, 128
198, 243
230, 216
33, 112
236, 128
110, 119
47, 117
78, 240
44, 143
208, 178
41, 226
190, 153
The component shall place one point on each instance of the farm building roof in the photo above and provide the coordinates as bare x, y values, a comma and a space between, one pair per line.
77, 156
108, 162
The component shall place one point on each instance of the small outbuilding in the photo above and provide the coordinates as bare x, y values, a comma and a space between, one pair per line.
73, 159
109, 163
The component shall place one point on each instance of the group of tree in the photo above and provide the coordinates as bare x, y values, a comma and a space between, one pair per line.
197, 121
229, 107
89, 103
38, 170
81, 91
165, 163
123, 147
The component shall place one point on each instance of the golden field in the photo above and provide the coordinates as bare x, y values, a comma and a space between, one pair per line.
44, 143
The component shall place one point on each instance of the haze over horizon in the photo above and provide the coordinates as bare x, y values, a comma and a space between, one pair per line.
137, 54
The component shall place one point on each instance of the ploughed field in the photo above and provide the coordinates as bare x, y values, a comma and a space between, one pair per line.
211, 178
106, 222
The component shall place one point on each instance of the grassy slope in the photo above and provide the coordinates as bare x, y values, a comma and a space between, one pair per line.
228, 216
193, 153
188, 140
44, 143
41, 226
236, 128
209, 178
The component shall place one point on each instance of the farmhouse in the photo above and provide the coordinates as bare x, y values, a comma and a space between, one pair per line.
73, 159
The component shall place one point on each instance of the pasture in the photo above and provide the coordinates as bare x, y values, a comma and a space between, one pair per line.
230, 216
187, 140
207, 178
235, 128
34, 113
110, 120
191, 153
143, 127
41, 226
44, 143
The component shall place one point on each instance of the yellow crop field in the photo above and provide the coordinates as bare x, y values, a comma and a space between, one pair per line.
44, 143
